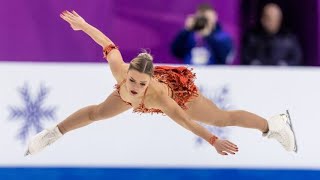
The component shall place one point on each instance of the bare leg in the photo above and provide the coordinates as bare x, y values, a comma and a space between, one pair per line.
112, 106
204, 110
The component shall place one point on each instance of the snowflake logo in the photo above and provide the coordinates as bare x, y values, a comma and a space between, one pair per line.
32, 112
221, 98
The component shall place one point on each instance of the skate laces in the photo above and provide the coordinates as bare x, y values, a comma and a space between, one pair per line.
48, 138
280, 135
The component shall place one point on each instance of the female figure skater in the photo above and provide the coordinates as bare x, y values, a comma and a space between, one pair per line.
160, 89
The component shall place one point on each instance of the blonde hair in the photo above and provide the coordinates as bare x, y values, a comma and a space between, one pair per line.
142, 63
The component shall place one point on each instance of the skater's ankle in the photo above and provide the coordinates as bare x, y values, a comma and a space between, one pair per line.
61, 129
266, 128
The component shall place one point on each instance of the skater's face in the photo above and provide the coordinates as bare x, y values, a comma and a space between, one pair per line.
137, 82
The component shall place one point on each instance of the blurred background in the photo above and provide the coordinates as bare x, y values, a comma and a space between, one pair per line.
257, 55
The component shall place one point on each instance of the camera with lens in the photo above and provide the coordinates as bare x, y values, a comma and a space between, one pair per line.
200, 23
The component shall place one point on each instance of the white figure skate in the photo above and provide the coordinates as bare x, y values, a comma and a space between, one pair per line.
42, 140
280, 129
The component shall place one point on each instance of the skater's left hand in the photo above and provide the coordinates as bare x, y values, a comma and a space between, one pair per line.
225, 147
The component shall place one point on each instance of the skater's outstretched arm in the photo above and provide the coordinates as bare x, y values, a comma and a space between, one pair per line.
176, 113
117, 65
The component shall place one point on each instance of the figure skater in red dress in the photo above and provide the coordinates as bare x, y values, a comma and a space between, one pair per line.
160, 89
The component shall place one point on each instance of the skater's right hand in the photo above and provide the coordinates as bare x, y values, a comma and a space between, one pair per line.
225, 147
75, 20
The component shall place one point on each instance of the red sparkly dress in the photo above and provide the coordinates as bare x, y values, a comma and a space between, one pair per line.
180, 81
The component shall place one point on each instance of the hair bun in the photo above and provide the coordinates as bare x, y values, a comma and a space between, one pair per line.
144, 54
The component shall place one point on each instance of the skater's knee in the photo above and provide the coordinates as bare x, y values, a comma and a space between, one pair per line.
235, 117
229, 118
99, 112
94, 113
225, 119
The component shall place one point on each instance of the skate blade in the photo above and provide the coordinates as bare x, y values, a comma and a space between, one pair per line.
294, 134
27, 153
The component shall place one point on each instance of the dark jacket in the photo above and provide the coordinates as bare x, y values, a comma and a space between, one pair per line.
218, 43
261, 48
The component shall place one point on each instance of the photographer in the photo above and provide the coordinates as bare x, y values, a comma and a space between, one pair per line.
202, 42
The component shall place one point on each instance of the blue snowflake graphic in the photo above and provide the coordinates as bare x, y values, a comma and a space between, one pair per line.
32, 112
221, 98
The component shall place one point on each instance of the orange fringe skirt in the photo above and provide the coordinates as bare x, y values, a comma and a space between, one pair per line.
180, 80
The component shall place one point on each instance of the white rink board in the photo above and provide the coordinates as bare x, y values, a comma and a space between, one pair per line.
156, 141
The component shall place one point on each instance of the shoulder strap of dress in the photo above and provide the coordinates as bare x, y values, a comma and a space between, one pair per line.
122, 82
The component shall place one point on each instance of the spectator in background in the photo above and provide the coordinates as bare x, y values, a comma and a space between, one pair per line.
202, 41
270, 43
